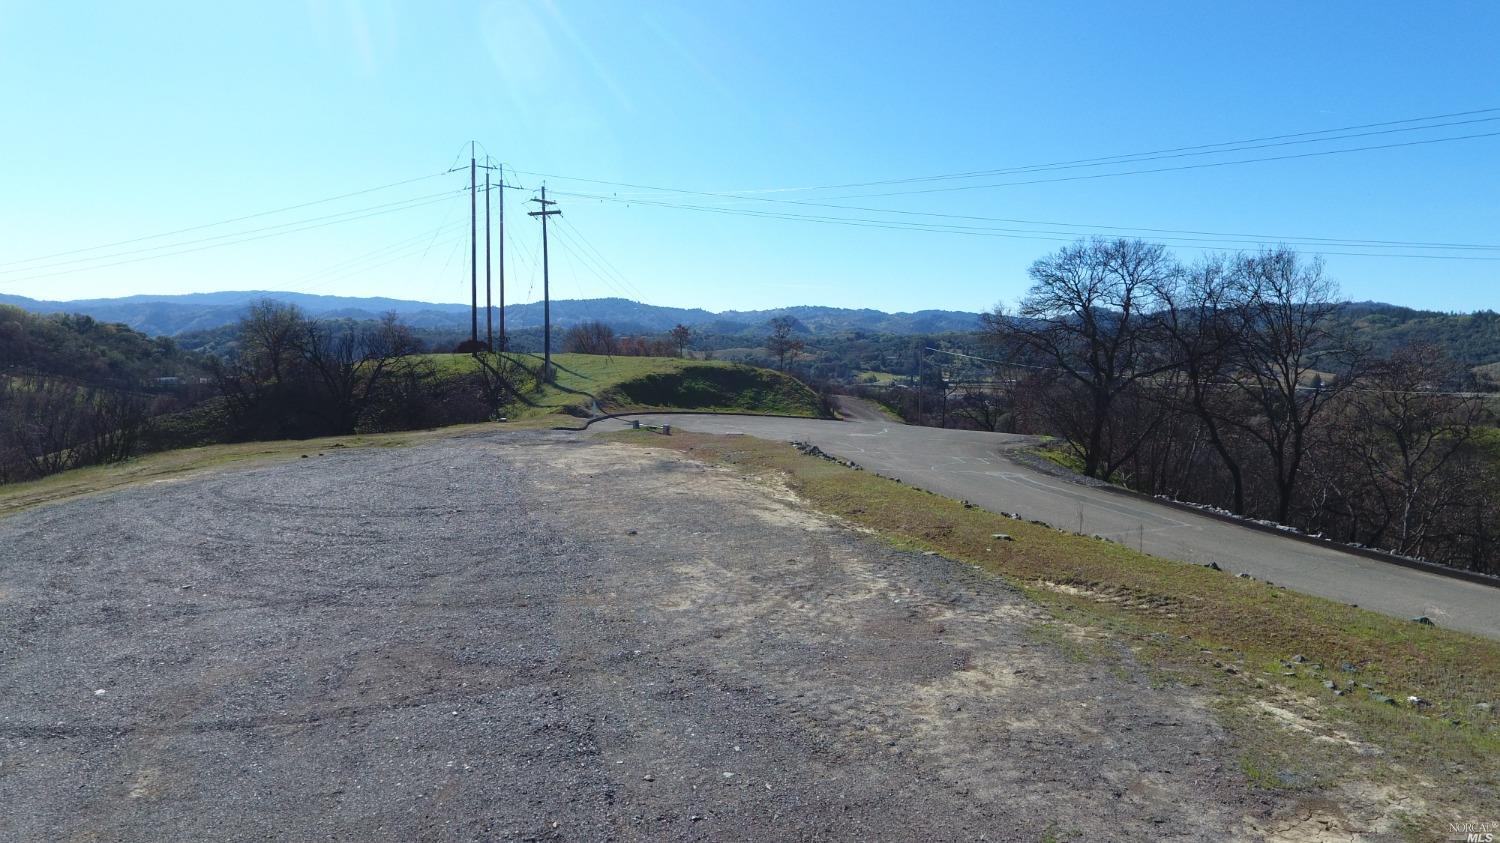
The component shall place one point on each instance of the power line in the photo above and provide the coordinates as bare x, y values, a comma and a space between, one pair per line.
990, 360
225, 221
446, 214
405, 248
449, 262
1351, 242
978, 231
1201, 149
573, 247
1213, 148
620, 276
1088, 177
1256, 237
1178, 168
393, 206
228, 243
324, 282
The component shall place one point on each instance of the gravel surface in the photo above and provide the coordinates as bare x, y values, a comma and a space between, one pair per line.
526, 635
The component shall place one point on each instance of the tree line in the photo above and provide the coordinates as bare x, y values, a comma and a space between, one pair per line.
293, 376
595, 337
1229, 382
76, 392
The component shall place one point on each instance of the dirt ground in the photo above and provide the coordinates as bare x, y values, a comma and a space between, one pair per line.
535, 636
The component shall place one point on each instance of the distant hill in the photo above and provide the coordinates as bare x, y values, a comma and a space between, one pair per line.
1471, 339
180, 314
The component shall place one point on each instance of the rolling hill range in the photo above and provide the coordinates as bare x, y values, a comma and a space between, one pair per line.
1471, 339
180, 314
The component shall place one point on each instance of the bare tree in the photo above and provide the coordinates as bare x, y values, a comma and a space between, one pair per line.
1088, 317
351, 363
983, 408
1405, 431
110, 426
591, 338
269, 335
261, 380
681, 336
48, 425
1203, 316
1288, 345
500, 377
781, 343
43, 424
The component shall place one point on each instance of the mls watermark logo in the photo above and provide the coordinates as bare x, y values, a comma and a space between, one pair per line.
1474, 832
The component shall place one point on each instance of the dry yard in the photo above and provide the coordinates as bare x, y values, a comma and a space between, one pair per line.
534, 635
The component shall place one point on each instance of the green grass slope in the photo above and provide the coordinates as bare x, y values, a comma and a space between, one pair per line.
619, 384
714, 387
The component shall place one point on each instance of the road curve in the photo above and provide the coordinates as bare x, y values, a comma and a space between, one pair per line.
972, 465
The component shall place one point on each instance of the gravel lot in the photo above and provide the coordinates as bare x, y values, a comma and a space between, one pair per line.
526, 635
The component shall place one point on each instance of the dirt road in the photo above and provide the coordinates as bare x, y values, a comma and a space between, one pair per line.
538, 636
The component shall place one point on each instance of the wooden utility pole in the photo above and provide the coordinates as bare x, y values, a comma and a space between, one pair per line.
489, 310
502, 187
473, 250
920, 347
544, 213
504, 346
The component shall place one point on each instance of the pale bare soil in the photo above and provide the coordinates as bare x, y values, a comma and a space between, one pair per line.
527, 635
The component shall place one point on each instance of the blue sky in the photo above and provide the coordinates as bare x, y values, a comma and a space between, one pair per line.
124, 121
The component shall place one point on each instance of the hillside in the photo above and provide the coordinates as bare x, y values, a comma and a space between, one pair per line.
89, 351
1471, 339
205, 320
585, 383
180, 314
77, 392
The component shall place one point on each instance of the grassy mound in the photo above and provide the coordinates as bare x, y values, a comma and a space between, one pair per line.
714, 387
585, 382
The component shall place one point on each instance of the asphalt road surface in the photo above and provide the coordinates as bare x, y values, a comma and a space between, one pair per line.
973, 466
546, 636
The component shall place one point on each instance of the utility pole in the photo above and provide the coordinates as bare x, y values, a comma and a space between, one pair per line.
502, 186
489, 311
546, 287
504, 346
920, 347
473, 251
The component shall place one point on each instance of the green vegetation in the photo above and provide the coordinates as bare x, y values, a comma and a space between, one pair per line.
1472, 339
870, 376
887, 410
1239, 639
620, 383
1058, 453
715, 387
83, 350
76, 392
617, 384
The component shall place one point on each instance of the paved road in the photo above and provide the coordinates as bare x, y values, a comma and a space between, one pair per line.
538, 636
972, 465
